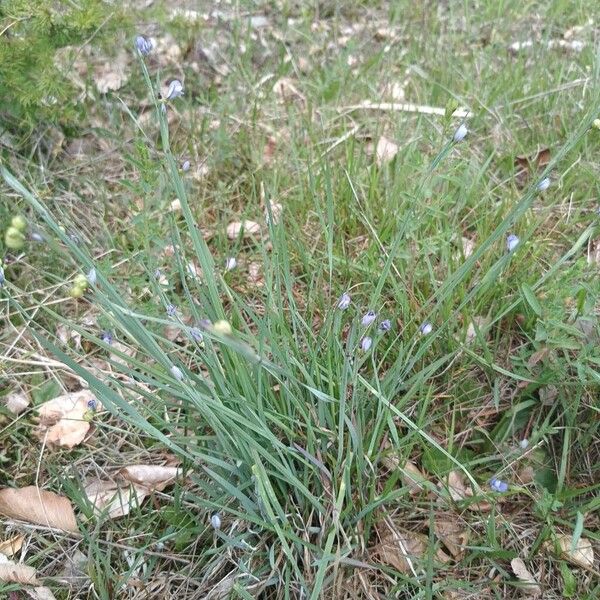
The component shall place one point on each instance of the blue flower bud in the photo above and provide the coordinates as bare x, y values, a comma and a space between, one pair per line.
366, 343
460, 133
91, 276
196, 334
230, 263
544, 184
176, 372
175, 89
512, 241
107, 337
186, 165
36, 237
171, 310
144, 45
368, 318
426, 328
92, 404
524, 443
498, 485
215, 521
344, 301
385, 325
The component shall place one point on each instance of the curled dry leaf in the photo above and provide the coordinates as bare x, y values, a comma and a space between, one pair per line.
452, 534
12, 545
38, 506
11, 572
459, 492
531, 587
581, 556
129, 489
243, 228
16, 403
62, 420
402, 549
385, 151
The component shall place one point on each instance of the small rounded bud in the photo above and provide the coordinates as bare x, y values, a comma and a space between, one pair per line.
460, 133
596, 124
223, 327
81, 281
215, 521
344, 301
19, 222
77, 291
14, 239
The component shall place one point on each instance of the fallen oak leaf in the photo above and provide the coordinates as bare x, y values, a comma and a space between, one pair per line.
63, 419
11, 572
35, 505
531, 587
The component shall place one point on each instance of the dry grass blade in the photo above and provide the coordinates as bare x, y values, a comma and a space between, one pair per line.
38, 506
531, 586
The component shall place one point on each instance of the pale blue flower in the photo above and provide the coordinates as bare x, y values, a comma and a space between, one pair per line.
230, 263
107, 337
36, 237
426, 328
175, 89
176, 372
498, 485
368, 318
171, 310
144, 45
196, 334
344, 301
512, 241
215, 521
544, 184
524, 443
385, 325
186, 165
91, 276
92, 404
366, 343
460, 133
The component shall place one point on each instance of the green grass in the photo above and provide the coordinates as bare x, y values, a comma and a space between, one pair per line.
286, 428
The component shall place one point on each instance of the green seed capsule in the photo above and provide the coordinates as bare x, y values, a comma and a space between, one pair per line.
81, 281
77, 292
14, 239
19, 222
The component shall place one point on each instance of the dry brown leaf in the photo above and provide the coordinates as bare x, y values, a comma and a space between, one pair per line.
112, 498
412, 477
526, 166
245, 228
40, 593
459, 491
11, 572
62, 420
16, 402
452, 534
254, 274
581, 556
152, 477
12, 545
402, 549
38, 506
268, 154
531, 587
129, 489
385, 150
